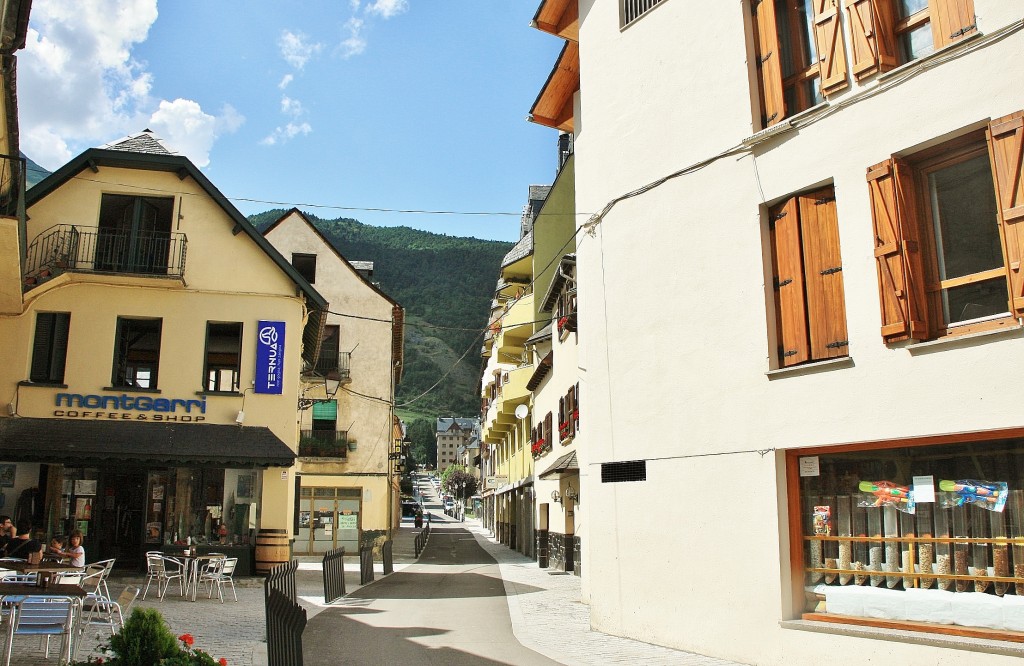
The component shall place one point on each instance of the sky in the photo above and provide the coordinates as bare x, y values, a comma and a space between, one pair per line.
336, 107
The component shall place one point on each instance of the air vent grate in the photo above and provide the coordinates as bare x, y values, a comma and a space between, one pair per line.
620, 472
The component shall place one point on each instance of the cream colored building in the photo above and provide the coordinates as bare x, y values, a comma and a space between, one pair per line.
451, 435
150, 377
798, 270
347, 475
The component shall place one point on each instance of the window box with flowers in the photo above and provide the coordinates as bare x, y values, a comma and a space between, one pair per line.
538, 448
565, 432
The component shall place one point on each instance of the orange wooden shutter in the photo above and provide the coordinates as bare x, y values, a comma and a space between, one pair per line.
897, 252
823, 277
570, 407
769, 63
1006, 150
831, 51
788, 282
951, 20
872, 36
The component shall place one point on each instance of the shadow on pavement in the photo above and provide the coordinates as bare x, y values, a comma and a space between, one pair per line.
423, 585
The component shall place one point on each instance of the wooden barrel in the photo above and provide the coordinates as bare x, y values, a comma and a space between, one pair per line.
272, 549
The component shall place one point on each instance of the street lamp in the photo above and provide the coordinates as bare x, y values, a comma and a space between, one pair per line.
330, 390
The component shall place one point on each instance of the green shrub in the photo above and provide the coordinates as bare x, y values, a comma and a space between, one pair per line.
146, 640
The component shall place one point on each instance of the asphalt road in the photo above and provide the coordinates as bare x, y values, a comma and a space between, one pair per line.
448, 609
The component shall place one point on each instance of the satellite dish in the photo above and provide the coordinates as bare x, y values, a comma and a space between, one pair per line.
521, 412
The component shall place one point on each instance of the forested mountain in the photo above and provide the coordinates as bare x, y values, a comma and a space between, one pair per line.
445, 283
33, 172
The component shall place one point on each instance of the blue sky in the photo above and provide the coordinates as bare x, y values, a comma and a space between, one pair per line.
394, 104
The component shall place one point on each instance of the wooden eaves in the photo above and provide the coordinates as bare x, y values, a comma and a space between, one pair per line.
554, 105
558, 17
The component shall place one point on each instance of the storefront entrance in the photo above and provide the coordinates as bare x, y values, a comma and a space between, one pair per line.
119, 520
328, 518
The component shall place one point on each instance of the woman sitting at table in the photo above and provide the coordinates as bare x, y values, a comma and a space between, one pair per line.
75, 552
23, 546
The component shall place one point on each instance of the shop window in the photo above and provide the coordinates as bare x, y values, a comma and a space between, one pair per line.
948, 240
50, 347
137, 353
800, 55
305, 264
807, 278
912, 533
888, 33
223, 356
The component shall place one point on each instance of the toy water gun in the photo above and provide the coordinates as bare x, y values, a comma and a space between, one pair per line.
989, 495
887, 492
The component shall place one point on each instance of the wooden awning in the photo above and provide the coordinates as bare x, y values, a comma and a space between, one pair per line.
554, 104
559, 17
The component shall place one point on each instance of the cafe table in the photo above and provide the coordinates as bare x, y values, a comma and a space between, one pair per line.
44, 571
193, 565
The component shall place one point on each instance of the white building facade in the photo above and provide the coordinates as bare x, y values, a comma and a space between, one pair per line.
799, 296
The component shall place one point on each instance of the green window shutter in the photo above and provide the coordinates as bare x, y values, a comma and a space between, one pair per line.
327, 411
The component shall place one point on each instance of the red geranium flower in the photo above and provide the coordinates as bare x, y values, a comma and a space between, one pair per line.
223, 662
187, 639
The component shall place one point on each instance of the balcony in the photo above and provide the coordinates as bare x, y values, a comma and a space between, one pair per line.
334, 365
323, 444
66, 247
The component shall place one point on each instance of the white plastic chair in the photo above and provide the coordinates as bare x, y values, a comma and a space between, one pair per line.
44, 616
218, 573
163, 569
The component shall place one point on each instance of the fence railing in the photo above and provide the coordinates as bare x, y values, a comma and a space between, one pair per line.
387, 555
334, 574
323, 444
421, 539
286, 620
365, 564
66, 247
334, 364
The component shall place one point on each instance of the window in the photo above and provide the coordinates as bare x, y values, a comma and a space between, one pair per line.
50, 347
136, 353
906, 516
325, 416
223, 357
631, 10
888, 33
305, 264
134, 234
948, 243
810, 311
800, 55
328, 359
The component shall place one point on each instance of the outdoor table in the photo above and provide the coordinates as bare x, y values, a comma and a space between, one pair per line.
192, 565
44, 570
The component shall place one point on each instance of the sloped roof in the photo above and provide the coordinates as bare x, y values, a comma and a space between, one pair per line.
143, 142
521, 250
444, 424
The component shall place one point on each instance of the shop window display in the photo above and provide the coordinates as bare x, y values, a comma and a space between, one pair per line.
930, 535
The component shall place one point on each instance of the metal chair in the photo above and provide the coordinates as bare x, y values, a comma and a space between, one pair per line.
105, 611
218, 573
163, 569
44, 616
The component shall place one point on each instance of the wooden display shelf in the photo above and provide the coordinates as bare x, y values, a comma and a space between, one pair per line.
912, 625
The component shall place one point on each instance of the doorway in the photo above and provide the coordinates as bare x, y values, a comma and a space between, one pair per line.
121, 518
329, 518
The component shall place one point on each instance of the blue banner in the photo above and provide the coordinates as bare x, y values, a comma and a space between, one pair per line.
269, 357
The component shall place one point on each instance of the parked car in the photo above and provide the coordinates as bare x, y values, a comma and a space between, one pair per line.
410, 508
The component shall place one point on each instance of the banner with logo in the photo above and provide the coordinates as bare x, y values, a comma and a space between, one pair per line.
269, 357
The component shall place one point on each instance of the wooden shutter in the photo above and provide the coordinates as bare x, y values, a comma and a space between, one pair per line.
872, 36
769, 64
831, 50
549, 437
561, 416
823, 277
788, 282
570, 407
897, 252
952, 20
576, 407
41, 346
1006, 150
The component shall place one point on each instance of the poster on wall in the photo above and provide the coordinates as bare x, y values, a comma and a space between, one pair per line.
85, 487
243, 487
7, 476
269, 357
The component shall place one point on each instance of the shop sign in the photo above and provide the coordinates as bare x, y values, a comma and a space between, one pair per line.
128, 407
269, 357
348, 522
495, 481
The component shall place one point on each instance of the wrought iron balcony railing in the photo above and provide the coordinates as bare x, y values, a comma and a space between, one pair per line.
323, 444
66, 247
334, 365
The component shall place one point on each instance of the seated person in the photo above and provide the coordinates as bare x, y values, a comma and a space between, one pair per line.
75, 552
23, 546
6, 531
54, 552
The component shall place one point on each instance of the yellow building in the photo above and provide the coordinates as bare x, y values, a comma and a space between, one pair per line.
346, 472
151, 371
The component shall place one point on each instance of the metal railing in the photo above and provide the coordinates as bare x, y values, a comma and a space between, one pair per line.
334, 574
365, 564
336, 363
286, 620
65, 247
323, 444
421, 539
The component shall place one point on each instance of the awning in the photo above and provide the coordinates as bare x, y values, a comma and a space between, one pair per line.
564, 466
543, 368
87, 442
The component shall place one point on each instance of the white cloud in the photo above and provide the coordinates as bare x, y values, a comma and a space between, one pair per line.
387, 8
286, 133
288, 78
354, 44
80, 85
354, 4
291, 107
296, 50
190, 130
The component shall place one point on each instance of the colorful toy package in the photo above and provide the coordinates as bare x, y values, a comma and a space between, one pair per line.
887, 492
990, 495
